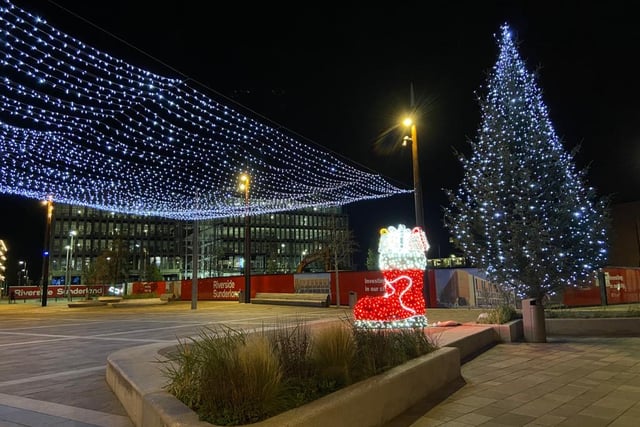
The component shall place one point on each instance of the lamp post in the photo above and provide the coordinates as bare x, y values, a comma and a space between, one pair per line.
23, 269
417, 189
195, 266
243, 187
45, 252
417, 185
144, 263
66, 274
3, 259
283, 261
67, 278
110, 278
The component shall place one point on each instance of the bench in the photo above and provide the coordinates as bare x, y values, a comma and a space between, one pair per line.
167, 297
314, 300
86, 303
108, 299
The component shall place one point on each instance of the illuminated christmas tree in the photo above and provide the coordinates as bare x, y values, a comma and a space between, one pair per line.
523, 212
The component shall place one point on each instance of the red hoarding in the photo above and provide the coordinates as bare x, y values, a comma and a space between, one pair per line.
363, 283
622, 286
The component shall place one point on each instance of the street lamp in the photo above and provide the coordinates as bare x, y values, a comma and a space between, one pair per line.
66, 274
67, 279
110, 275
284, 263
23, 269
20, 271
417, 186
3, 259
145, 259
244, 182
45, 252
142, 262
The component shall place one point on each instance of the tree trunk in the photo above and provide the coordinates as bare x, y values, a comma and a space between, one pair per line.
533, 321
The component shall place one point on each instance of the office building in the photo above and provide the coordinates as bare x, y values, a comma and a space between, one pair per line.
281, 242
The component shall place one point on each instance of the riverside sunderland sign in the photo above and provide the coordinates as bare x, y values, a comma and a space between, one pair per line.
34, 292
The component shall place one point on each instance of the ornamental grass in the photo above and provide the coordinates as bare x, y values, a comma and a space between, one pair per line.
230, 377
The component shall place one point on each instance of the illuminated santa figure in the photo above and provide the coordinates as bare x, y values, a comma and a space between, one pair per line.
402, 260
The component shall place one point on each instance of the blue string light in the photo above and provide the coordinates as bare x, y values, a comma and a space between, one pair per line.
85, 128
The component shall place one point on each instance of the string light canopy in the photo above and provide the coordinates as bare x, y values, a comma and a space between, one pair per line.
85, 128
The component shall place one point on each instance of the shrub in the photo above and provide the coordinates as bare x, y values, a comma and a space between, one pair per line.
378, 350
373, 352
332, 355
499, 315
593, 312
249, 389
183, 370
292, 341
226, 376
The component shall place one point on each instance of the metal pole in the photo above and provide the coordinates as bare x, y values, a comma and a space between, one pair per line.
45, 254
417, 186
66, 276
247, 258
195, 262
69, 267
417, 192
244, 184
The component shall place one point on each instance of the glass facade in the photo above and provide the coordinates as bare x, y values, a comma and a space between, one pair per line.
279, 243
154, 240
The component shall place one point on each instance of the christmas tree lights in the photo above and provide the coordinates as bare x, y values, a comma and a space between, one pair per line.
402, 260
85, 128
522, 212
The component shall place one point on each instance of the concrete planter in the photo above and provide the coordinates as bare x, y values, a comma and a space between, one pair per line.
602, 327
593, 327
509, 332
136, 378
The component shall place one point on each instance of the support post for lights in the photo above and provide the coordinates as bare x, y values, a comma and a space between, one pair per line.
67, 278
195, 265
66, 274
417, 190
45, 252
243, 186
417, 185
26, 279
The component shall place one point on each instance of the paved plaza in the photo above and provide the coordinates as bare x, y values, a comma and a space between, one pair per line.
569, 382
53, 364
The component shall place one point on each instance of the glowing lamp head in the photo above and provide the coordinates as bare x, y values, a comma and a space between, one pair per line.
243, 184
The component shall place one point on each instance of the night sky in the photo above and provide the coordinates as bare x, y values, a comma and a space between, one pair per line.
340, 76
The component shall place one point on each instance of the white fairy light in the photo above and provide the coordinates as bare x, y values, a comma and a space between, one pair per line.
89, 129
